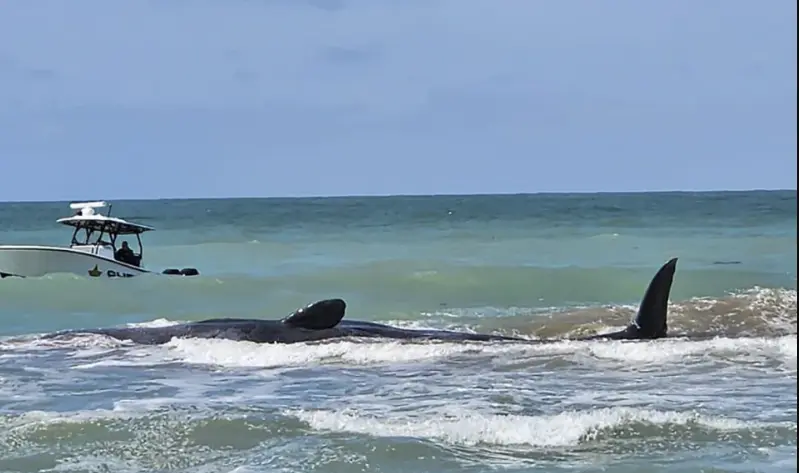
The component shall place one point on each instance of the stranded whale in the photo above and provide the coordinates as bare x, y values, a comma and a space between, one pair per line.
323, 320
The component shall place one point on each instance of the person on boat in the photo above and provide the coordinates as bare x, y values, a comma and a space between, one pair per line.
125, 254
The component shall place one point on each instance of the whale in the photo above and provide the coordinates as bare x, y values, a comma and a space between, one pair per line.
324, 320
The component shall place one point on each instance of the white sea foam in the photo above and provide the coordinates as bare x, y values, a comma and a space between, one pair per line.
156, 323
246, 354
462, 427
454, 424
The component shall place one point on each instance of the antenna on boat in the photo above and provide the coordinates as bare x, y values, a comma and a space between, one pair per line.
87, 208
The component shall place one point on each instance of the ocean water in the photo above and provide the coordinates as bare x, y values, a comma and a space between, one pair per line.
534, 266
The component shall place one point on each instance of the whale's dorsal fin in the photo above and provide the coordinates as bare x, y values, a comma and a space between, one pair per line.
318, 316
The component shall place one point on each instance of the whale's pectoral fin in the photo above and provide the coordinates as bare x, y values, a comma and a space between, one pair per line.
650, 321
319, 315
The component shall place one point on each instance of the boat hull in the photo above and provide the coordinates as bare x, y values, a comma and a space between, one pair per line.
36, 261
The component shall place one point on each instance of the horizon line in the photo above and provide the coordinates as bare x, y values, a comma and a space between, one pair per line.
419, 195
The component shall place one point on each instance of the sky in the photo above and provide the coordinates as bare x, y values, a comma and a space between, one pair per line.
234, 98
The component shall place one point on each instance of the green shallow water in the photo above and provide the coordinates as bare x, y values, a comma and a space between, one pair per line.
541, 265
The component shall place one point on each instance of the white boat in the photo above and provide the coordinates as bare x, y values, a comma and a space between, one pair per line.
94, 250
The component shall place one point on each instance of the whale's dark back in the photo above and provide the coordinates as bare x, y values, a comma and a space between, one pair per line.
323, 320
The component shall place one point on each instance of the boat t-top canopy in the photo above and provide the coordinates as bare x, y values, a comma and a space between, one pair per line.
87, 218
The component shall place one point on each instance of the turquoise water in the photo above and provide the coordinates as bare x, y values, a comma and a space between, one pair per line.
535, 265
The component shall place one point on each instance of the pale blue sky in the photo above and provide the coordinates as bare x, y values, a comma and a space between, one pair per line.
146, 99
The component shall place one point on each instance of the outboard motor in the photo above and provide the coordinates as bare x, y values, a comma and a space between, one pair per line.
181, 272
